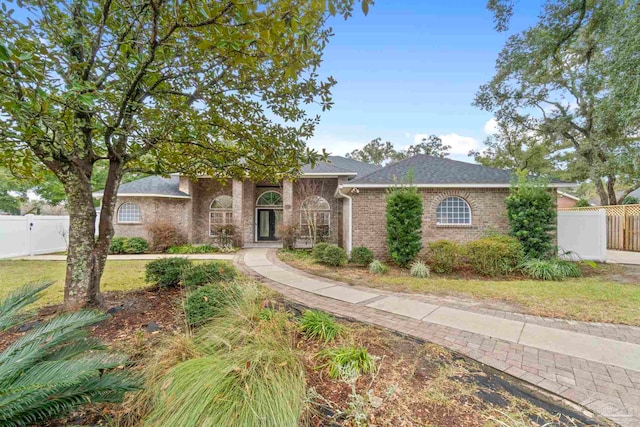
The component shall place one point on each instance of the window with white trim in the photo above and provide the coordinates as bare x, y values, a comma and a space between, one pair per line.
129, 213
220, 215
270, 199
453, 211
315, 218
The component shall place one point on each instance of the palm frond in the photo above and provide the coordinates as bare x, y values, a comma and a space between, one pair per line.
12, 306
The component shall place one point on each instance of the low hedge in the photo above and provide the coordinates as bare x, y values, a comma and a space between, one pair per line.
361, 256
494, 256
208, 301
207, 272
318, 251
166, 272
335, 256
135, 245
444, 256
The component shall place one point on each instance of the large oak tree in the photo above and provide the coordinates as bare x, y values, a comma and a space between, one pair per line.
156, 86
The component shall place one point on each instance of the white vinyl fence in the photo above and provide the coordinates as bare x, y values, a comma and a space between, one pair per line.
32, 235
583, 234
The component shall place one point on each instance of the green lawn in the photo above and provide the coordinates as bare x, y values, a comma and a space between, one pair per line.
595, 299
118, 276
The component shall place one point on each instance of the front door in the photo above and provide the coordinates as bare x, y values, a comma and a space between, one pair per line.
267, 224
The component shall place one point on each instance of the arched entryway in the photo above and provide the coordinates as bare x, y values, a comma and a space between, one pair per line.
268, 216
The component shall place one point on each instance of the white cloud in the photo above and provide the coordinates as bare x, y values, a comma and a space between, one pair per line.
335, 145
460, 145
491, 126
419, 137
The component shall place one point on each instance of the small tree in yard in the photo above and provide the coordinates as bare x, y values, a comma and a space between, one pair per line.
404, 224
196, 87
532, 216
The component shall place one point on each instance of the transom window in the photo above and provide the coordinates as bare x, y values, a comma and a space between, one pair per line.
315, 218
270, 199
129, 213
221, 216
453, 210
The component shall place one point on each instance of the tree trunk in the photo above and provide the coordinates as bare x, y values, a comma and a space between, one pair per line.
87, 255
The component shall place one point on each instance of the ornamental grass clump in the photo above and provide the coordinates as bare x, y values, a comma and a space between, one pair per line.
347, 359
420, 270
317, 324
208, 301
550, 269
377, 267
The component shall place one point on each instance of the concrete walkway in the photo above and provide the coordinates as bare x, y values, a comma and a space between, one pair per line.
623, 257
599, 371
129, 257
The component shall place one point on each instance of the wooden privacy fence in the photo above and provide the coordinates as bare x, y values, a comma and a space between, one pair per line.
623, 226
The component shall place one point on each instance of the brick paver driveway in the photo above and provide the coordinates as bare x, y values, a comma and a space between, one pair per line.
594, 365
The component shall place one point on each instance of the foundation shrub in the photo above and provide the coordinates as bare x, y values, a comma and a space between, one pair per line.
494, 256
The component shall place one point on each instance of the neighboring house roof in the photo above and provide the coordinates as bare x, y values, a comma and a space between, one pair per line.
156, 186
568, 195
438, 171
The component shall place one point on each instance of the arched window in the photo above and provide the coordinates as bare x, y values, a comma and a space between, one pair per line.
315, 218
129, 213
453, 210
270, 199
220, 215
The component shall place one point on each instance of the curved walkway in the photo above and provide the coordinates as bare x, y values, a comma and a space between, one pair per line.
600, 373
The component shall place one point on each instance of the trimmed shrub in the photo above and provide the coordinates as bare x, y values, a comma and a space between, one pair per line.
208, 301
193, 249
164, 234
550, 269
531, 208
318, 324
494, 256
318, 251
444, 256
166, 271
361, 255
207, 272
135, 245
334, 255
377, 267
404, 224
117, 245
420, 270
347, 361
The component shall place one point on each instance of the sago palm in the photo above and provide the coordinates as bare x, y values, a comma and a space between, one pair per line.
55, 367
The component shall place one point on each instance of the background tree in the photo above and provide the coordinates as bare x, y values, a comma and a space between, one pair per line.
554, 75
194, 87
377, 153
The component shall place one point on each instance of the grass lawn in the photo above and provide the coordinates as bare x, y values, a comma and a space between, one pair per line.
596, 299
118, 276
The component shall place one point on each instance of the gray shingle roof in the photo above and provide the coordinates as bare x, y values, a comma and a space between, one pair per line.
436, 170
341, 165
152, 185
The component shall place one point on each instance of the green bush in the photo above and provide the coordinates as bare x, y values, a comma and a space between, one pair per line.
135, 245
166, 271
55, 367
361, 255
193, 249
347, 361
117, 245
318, 324
420, 270
334, 255
207, 302
318, 251
531, 209
550, 269
207, 272
494, 256
404, 224
444, 256
377, 267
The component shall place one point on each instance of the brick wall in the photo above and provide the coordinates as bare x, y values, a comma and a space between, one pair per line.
487, 209
153, 209
204, 190
326, 189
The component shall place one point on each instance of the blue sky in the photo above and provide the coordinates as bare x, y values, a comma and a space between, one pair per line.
412, 68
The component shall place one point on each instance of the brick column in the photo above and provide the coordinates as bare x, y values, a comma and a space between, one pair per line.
287, 202
236, 192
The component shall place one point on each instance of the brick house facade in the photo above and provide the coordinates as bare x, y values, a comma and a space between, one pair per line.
461, 202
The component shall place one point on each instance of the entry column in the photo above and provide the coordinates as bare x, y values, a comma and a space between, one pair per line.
287, 202
237, 195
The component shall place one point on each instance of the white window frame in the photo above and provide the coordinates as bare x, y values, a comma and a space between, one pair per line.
258, 205
227, 214
127, 204
455, 224
315, 212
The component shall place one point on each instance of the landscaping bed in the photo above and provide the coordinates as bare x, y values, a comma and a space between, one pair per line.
605, 293
414, 383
